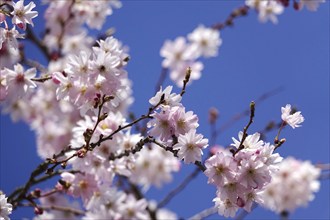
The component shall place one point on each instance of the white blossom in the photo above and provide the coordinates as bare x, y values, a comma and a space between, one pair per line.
190, 146
292, 186
205, 40
294, 120
5, 207
23, 15
311, 5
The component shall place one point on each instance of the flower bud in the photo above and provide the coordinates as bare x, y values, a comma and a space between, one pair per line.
213, 115
38, 210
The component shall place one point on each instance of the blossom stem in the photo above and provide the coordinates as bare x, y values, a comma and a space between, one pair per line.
236, 13
252, 111
58, 208
246, 112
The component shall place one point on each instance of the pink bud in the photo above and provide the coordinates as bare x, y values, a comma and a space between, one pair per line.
38, 210
55, 78
240, 202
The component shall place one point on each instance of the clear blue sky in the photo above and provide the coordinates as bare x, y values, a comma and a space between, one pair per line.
253, 59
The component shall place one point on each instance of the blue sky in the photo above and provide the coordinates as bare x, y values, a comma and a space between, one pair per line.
253, 59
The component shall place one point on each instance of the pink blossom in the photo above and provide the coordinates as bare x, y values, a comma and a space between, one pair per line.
190, 146
171, 99
220, 168
294, 120
23, 15
206, 40
19, 81
162, 125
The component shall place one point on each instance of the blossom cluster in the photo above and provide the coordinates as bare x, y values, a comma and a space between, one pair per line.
106, 203
20, 15
139, 168
184, 52
241, 177
87, 77
171, 122
270, 9
292, 186
64, 105
65, 22
95, 183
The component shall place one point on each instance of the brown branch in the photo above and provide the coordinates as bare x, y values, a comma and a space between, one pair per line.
20, 193
161, 79
179, 188
244, 135
246, 112
58, 208
31, 36
120, 128
42, 79
138, 147
229, 22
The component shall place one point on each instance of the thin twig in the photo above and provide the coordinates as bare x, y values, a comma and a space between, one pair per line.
31, 36
205, 213
244, 135
161, 79
178, 189
58, 208
246, 112
229, 22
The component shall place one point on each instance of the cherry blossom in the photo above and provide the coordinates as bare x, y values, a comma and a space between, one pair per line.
220, 168
162, 125
10, 38
251, 141
68, 116
18, 81
240, 177
179, 73
23, 15
176, 52
267, 9
225, 208
206, 41
157, 171
190, 146
294, 120
5, 207
171, 99
81, 185
134, 209
311, 5
292, 186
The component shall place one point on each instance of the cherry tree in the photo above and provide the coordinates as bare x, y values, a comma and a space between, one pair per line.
100, 159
